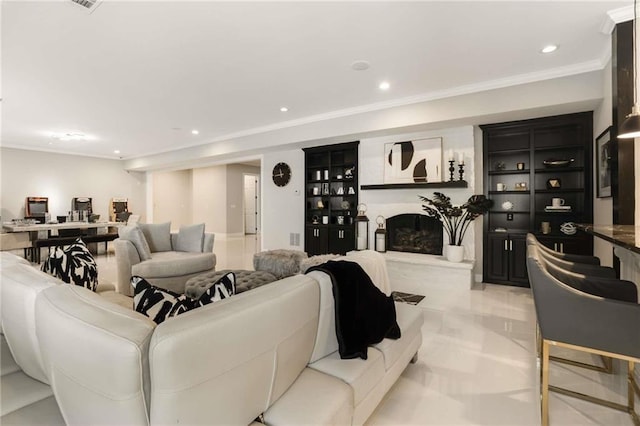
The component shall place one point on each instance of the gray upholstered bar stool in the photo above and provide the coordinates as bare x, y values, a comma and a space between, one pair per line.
574, 319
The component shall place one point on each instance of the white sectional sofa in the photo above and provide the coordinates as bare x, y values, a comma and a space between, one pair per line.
268, 352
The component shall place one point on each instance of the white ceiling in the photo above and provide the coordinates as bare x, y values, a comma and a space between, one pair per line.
139, 76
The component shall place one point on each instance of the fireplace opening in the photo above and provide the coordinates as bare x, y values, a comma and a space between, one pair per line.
414, 233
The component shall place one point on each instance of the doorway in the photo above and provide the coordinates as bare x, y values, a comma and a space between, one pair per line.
251, 204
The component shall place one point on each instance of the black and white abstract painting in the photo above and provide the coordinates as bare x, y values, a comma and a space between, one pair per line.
413, 161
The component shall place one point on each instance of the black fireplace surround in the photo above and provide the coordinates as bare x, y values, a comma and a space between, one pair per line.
414, 233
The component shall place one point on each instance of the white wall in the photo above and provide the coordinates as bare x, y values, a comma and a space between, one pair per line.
391, 202
282, 207
172, 197
235, 198
603, 207
210, 195
62, 177
209, 198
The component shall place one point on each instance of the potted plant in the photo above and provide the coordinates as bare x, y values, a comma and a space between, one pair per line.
455, 219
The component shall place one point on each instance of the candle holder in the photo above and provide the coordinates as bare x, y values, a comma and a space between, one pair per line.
452, 170
461, 171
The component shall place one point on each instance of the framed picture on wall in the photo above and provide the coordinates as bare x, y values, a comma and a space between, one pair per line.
413, 161
603, 164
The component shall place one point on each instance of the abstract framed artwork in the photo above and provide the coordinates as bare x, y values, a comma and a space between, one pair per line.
603, 164
413, 161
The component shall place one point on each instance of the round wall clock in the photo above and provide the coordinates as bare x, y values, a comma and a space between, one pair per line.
281, 174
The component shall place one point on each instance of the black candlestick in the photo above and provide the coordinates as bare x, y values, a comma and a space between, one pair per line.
461, 171
452, 169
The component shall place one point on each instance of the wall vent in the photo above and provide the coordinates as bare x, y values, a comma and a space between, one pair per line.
89, 5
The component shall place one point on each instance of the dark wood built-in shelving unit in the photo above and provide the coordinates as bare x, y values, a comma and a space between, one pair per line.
331, 192
532, 142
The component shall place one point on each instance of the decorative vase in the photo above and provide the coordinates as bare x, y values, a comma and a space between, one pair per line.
455, 253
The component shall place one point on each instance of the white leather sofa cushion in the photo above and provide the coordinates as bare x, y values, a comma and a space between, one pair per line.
7, 363
326, 342
44, 412
362, 375
96, 355
8, 259
410, 320
227, 362
20, 286
314, 398
174, 263
20, 390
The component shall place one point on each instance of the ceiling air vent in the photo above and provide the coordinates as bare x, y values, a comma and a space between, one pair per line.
89, 5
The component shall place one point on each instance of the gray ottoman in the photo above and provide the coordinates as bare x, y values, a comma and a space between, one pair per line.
281, 263
245, 280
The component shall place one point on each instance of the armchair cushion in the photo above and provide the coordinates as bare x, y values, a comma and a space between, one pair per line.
74, 265
190, 238
136, 236
158, 236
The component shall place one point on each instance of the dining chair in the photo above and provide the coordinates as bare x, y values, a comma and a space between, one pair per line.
571, 318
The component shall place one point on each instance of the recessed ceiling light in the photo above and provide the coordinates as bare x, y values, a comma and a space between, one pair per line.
71, 136
360, 65
195, 132
550, 48
117, 151
384, 85
284, 109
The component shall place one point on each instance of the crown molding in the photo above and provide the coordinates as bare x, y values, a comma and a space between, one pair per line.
580, 68
616, 16
61, 152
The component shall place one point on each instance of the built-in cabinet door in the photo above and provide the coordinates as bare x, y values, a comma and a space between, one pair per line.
341, 240
498, 257
582, 244
316, 240
518, 259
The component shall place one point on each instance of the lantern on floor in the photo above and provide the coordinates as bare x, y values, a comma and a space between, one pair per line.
380, 235
362, 228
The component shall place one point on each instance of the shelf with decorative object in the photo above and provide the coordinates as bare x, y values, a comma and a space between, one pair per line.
509, 172
418, 185
551, 157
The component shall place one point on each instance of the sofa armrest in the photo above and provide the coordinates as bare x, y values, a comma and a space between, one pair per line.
207, 245
126, 257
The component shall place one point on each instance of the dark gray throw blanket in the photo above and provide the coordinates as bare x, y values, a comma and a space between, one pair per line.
364, 314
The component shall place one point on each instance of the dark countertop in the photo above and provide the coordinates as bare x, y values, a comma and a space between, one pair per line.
627, 236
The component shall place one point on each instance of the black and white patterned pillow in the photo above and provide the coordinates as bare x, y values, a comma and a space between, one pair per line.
224, 287
157, 303
160, 304
73, 264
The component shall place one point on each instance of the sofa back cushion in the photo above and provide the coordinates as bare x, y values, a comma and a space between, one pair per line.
134, 234
190, 238
158, 235
96, 355
233, 359
20, 286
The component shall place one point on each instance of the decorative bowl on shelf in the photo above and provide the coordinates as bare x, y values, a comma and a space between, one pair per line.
553, 162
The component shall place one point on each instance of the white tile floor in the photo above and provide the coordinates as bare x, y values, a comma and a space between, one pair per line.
477, 364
